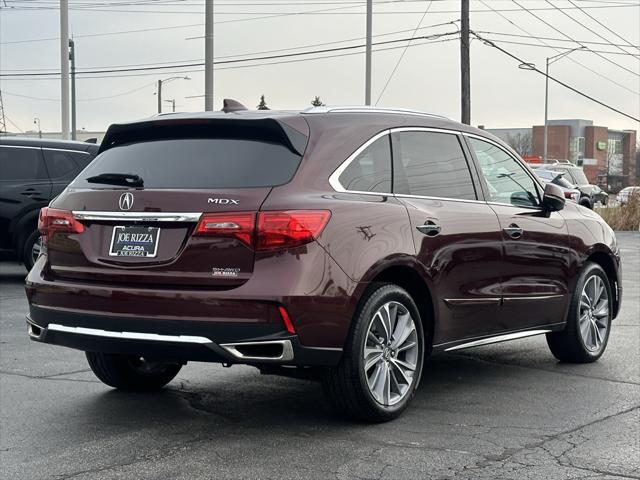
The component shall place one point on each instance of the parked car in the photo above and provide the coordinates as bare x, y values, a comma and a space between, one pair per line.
557, 178
32, 172
590, 194
344, 244
626, 194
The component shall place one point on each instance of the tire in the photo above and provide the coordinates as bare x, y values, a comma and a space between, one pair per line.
347, 385
28, 254
585, 202
131, 373
584, 340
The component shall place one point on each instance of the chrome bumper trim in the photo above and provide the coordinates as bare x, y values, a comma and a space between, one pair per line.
128, 335
287, 350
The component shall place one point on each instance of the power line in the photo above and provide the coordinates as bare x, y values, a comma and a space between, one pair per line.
53, 75
550, 77
567, 36
403, 52
573, 60
555, 39
603, 25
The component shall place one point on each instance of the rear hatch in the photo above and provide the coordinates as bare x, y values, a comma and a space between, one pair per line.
171, 202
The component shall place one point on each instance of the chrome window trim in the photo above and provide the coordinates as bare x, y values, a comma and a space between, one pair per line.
333, 178
96, 332
337, 186
65, 150
138, 216
21, 146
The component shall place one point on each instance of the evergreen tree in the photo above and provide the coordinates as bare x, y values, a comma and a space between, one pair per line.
263, 104
316, 102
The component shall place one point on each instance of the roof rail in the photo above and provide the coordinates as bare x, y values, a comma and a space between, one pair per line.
369, 109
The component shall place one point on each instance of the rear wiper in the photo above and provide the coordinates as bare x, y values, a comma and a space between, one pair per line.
125, 179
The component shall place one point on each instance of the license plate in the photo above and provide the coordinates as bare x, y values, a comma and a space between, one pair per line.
134, 241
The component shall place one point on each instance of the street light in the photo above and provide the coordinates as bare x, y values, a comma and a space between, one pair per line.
172, 101
551, 60
36, 121
166, 80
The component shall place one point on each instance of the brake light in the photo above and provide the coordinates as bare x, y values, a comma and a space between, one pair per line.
52, 220
273, 230
290, 228
233, 225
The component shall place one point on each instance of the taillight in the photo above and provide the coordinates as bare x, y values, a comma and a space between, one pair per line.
290, 228
52, 220
273, 230
233, 225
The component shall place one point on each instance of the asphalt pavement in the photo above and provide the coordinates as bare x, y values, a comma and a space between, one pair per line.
506, 411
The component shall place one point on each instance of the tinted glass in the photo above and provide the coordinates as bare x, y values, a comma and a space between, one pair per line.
21, 164
63, 165
507, 180
371, 170
197, 163
431, 164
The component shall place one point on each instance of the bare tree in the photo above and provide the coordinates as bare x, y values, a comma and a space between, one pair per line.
521, 143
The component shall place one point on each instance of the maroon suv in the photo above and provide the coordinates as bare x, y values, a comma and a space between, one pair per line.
342, 243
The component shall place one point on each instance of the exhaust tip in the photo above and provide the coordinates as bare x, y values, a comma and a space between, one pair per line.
271, 350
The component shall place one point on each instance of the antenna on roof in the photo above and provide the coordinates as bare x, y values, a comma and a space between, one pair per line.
230, 105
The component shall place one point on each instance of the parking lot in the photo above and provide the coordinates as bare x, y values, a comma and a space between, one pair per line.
502, 411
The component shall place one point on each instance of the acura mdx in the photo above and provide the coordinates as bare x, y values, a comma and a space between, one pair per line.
344, 244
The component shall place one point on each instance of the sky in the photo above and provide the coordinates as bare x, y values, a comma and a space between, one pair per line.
421, 74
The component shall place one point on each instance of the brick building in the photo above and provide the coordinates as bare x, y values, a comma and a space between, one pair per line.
607, 156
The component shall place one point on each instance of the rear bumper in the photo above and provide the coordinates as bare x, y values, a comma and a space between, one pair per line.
251, 344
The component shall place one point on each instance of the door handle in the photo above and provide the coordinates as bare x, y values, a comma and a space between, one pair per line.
513, 230
429, 228
30, 191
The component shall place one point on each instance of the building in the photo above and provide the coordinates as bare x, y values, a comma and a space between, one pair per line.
81, 135
607, 156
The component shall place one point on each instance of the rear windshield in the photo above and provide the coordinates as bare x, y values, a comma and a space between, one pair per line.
199, 163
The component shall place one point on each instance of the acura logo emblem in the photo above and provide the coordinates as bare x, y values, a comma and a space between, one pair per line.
126, 201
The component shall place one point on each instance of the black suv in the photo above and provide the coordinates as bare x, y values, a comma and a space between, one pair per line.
32, 172
590, 194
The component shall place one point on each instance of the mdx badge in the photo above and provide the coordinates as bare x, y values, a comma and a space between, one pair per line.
126, 201
223, 201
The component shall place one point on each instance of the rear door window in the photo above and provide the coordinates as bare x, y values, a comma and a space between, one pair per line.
197, 163
21, 164
64, 165
370, 171
431, 164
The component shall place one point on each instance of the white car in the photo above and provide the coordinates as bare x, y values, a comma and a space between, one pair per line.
625, 194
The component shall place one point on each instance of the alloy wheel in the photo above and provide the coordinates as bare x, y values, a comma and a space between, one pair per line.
390, 353
593, 314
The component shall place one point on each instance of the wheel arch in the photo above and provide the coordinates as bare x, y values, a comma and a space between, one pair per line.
408, 274
603, 258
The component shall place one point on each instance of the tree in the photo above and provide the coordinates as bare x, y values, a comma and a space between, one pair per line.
521, 143
263, 104
316, 102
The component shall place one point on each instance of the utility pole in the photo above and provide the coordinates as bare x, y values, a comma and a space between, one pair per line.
72, 58
3, 122
208, 55
36, 121
159, 96
465, 76
64, 69
367, 88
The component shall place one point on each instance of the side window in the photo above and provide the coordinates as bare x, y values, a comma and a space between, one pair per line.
63, 165
370, 171
21, 164
431, 164
506, 179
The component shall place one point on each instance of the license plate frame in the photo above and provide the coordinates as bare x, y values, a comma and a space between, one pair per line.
137, 246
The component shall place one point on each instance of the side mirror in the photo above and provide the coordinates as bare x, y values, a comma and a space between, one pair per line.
553, 199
